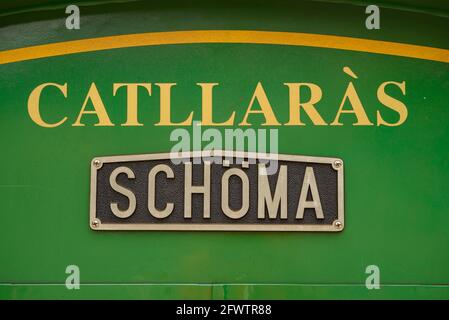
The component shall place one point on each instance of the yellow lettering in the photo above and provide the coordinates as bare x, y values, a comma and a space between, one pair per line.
265, 108
99, 109
357, 108
165, 118
391, 103
131, 93
207, 117
296, 104
34, 104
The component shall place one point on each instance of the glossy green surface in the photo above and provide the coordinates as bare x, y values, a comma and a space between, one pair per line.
223, 292
396, 179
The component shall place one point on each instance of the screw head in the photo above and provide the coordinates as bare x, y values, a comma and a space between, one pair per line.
97, 163
337, 164
95, 223
338, 224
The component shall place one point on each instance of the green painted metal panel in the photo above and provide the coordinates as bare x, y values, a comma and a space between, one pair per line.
396, 207
223, 292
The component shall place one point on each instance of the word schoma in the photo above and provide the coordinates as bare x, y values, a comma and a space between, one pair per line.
273, 203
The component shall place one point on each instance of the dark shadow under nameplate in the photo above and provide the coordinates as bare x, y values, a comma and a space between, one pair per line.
217, 190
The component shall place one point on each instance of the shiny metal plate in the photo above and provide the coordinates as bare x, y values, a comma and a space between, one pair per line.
217, 190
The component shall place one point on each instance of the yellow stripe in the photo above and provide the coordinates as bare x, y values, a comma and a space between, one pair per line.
224, 36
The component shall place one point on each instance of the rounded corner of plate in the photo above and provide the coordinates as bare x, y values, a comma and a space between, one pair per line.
95, 224
96, 163
337, 164
338, 225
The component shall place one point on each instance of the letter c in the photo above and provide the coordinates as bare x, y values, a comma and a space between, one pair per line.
33, 104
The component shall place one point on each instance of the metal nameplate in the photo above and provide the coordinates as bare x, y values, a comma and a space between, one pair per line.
223, 190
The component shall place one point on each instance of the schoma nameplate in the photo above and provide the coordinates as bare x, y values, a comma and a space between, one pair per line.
231, 191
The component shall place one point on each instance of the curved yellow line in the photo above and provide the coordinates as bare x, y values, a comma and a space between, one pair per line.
224, 36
